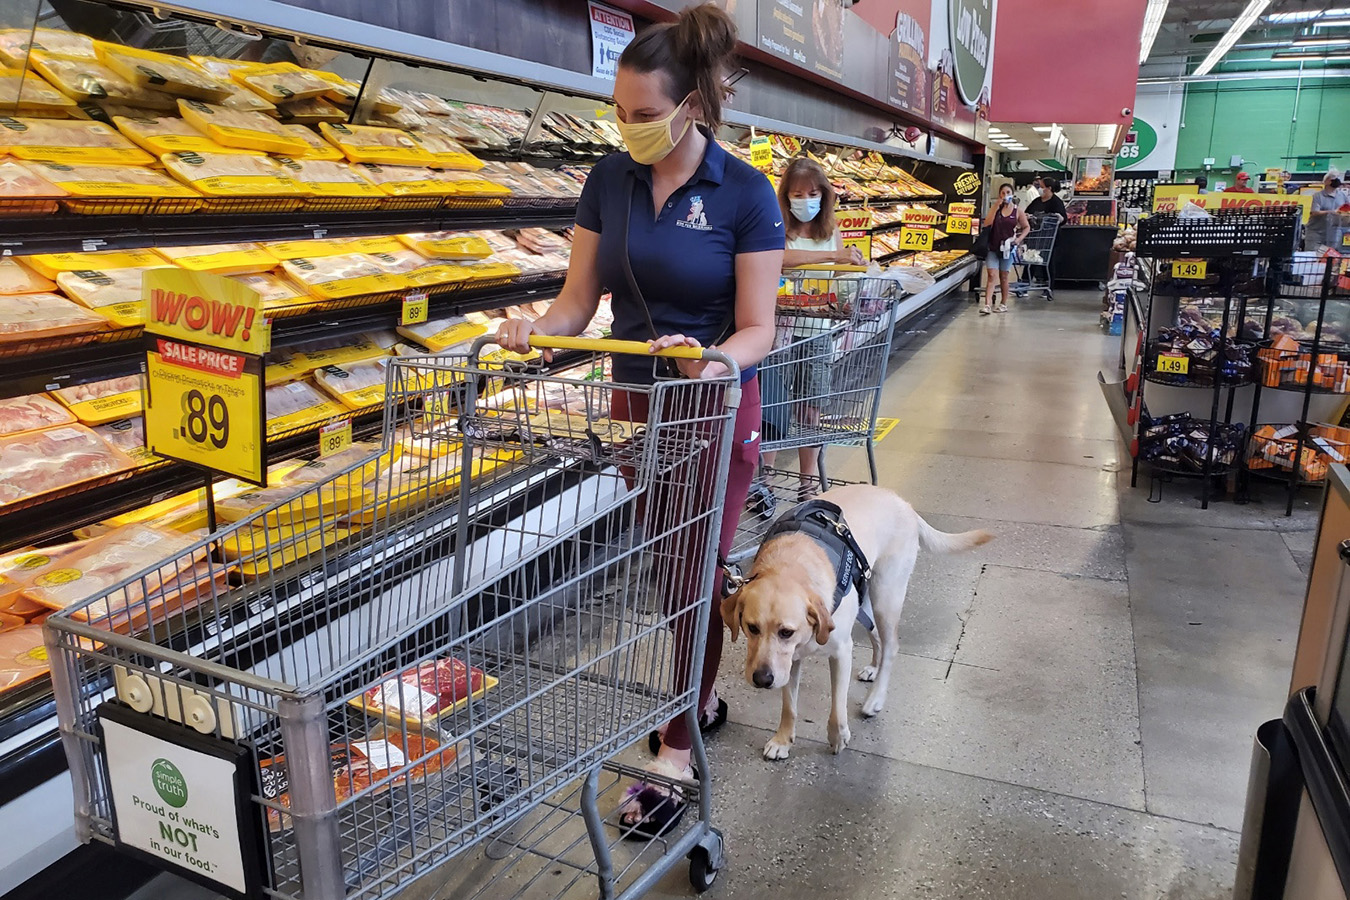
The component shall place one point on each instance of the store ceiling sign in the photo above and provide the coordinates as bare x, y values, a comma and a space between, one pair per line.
907, 79
972, 37
611, 31
1139, 144
807, 33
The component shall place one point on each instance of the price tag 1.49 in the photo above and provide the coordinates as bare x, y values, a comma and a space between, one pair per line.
415, 309
917, 238
1170, 364
1189, 268
335, 437
958, 225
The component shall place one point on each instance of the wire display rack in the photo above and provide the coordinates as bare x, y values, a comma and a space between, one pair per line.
424, 571
1270, 233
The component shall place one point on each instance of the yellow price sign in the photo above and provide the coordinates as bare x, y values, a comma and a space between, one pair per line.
761, 153
1189, 268
1173, 364
335, 437
415, 308
205, 406
958, 225
917, 238
911, 216
1345, 239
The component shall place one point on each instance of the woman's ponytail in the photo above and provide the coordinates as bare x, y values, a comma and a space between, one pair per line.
695, 52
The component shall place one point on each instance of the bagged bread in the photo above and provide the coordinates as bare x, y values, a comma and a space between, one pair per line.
31, 413
370, 144
162, 72
332, 180
221, 259
15, 278
26, 94
36, 462
49, 264
58, 140
169, 134
281, 82
240, 128
357, 386
114, 294
123, 190
87, 79
309, 112
298, 403
16, 43
448, 244
25, 317
229, 175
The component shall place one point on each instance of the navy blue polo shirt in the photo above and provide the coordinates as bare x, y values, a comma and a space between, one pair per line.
684, 255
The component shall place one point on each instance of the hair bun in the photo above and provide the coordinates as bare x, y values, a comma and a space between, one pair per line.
705, 36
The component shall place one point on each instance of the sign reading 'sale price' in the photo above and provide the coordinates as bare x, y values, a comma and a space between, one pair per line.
204, 372
855, 230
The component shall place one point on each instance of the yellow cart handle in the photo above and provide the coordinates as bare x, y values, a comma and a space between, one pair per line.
609, 345
826, 267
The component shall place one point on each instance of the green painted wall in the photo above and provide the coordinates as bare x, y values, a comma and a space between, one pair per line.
1256, 120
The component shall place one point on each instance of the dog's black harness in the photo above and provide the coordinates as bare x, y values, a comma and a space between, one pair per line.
823, 522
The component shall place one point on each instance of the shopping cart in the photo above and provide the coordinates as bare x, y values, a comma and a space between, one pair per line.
821, 383
436, 654
1034, 256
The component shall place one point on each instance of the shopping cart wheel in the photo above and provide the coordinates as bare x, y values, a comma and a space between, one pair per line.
702, 874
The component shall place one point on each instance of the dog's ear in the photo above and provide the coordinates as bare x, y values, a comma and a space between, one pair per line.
731, 614
818, 616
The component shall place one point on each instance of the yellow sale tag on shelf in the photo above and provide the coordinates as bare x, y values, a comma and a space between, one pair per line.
335, 437
414, 309
205, 407
921, 217
1173, 365
958, 225
1345, 239
1189, 268
961, 209
761, 153
920, 237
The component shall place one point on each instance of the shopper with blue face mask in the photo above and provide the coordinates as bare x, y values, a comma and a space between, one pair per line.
807, 200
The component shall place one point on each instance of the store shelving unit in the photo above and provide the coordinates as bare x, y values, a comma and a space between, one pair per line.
1233, 246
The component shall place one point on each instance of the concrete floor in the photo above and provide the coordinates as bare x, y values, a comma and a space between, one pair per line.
1074, 710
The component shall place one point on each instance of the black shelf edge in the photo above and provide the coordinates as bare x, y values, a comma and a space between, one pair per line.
58, 233
887, 201
1152, 378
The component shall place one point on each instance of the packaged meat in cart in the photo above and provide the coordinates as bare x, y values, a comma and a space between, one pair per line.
240, 128
26, 317
16, 278
59, 140
358, 386
31, 412
103, 401
15, 44
87, 79
169, 134
371, 144
37, 462
26, 94
426, 692
114, 294
120, 190
221, 259
281, 82
162, 72
23, 657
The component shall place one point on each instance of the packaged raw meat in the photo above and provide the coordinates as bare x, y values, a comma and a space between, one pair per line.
16, 278
370, 144
58, 140
24, 192
49, 264
30, 413
400, 262
26, 94
25, 317
123, 190
128, 436
221, 259
348, 275
289, 503
541, 240
284, 250
309, 112
325, 179
439, 334
448, 153
426, 692
23, 657
366, 452
169, 134
239, 128
404, 181
220, 68
103, 401
230, 175
299, 403
498, 241
87, 79
357, 386
376, 244
472, 184
15, 44
358, 765
277, 293
114, 294
18, 569
345, 351
161, 72
40, 461
340, 91
281, 82
316, 147
448, 244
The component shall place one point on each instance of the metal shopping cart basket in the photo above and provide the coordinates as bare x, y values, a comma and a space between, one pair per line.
436, 653
821, 384
1034, 257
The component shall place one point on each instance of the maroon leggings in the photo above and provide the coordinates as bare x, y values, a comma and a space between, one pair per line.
744, 458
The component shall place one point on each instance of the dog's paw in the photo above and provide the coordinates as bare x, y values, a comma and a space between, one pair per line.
777, 748
873, 705
839, 737
867, 673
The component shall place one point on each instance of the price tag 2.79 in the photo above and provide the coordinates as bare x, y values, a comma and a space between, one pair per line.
415, 309
918, 239
1189, 268
335, 437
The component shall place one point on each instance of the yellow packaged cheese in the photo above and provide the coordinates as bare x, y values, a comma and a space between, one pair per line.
75, 142
230, 175
162, 72
371, 144
221, 259
49, 264
87, 79
240, 128
167, 134
281, 82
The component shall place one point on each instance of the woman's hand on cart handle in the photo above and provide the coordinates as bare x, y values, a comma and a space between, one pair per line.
689, 368
514, 335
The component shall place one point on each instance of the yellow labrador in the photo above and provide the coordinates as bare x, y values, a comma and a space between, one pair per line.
788, 607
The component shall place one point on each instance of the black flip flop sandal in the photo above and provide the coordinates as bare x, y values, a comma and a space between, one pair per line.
705, 728
661, 812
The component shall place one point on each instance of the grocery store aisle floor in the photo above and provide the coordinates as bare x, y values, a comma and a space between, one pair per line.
1074, 707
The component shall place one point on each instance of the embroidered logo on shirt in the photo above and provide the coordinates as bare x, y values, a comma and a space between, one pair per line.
697, 218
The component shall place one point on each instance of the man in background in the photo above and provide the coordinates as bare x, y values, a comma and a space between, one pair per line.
1241, 185
1201, 184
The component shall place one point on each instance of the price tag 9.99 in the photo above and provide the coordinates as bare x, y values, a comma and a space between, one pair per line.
335, 437
958, 225
918, 238
1189, 268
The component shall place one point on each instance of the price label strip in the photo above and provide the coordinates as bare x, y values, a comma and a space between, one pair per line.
335, 437
918, 238
206, 407
415, 308
958, 225
1173, 364
1189, 268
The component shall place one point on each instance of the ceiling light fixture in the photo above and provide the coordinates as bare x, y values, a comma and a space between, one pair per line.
1153, 18
1044, 129
1321, 42
1312, 57
1238, 29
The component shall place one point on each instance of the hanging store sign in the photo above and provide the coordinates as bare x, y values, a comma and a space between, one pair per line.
855, 230
971, 26
1140, 142
920, 216
807, 33
907, 77
761, 153
961, 209
611, 31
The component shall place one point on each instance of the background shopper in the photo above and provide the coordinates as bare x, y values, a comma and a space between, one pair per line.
1241, 185
1008, 227
1326, 222
704, 237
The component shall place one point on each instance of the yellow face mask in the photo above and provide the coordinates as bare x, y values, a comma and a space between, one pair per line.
651, 142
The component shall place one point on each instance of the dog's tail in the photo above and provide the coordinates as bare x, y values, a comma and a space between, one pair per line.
942, 542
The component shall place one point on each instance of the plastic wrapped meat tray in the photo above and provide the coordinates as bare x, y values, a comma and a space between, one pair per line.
73, 142
16, 278
37, 462
87, 79
31, 412
423, 694
26, 317
333, 185
118, 190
